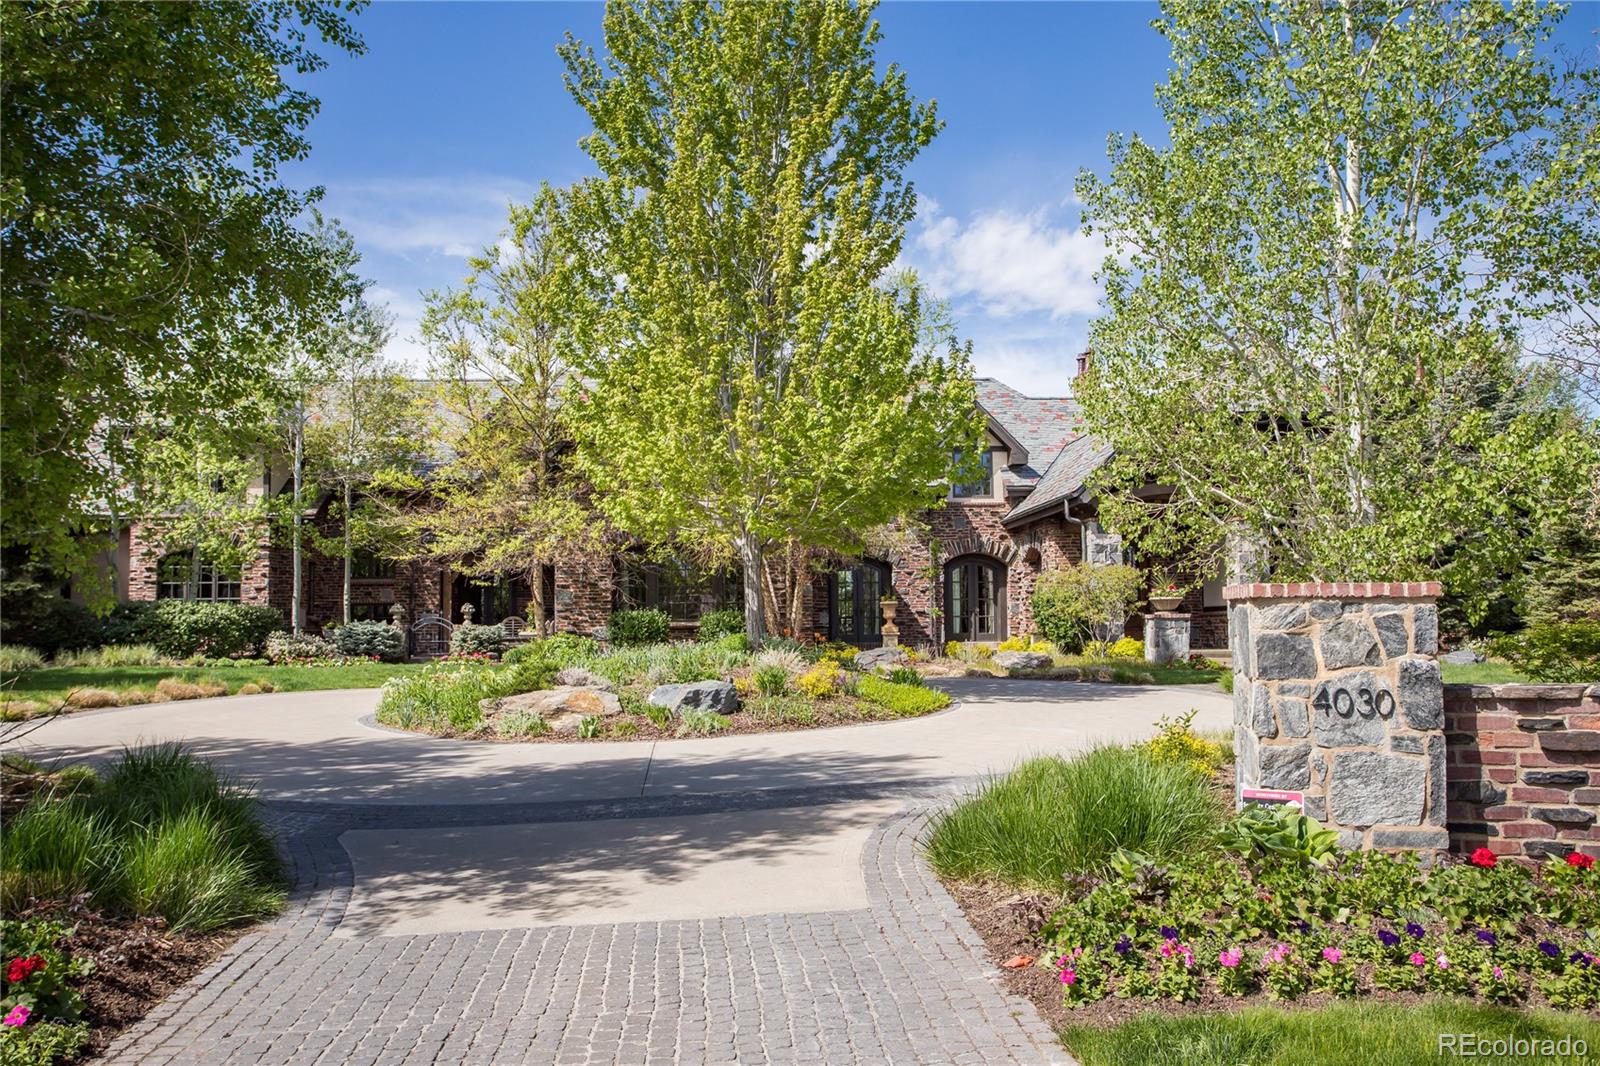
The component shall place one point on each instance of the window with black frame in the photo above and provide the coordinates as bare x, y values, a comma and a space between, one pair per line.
176, 572
677, 588
857, 594
975, 599
983, 486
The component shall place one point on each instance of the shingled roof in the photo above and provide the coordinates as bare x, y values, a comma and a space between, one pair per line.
1060, 456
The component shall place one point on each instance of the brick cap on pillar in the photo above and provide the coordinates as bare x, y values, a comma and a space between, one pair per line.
1335, 590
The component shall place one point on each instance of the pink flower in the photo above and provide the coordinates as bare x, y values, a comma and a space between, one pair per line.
1167, 949
1332, 954
1278, 952
19, 1015
1499, 974
1418, 958
1444, 961
1068, 975
1231, 957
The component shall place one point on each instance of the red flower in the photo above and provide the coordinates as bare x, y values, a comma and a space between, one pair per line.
1581, 861
22, 969
1485, 858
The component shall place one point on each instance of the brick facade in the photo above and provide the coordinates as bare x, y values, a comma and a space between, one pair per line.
1524, 768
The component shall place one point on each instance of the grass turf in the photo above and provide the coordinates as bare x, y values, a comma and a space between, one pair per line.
53, 683
1492, 672
1337, 1035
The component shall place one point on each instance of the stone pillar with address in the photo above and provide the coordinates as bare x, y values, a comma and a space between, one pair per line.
1337, 695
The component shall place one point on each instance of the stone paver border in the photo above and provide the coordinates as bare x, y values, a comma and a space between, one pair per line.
903, 981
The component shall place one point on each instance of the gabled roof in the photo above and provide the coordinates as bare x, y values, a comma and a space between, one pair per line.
1057, 455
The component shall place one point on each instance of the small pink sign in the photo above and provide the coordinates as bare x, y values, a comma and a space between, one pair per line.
1273, 796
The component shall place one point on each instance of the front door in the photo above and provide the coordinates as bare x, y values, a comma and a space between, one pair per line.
857, 592
975, 599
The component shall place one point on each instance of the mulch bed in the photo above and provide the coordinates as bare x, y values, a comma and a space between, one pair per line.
138, 962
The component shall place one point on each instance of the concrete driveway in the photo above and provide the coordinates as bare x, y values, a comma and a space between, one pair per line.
743, 899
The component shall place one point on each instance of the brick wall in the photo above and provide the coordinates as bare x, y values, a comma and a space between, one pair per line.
1524, 768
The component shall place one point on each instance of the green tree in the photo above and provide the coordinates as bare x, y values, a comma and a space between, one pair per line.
507, 502
1085, 605
751, 373
151, 251
1312, 290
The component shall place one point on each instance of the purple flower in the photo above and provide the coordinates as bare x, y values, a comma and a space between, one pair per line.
1387, 939
1168, 933
1550, 949
1124, 945
1487, 937
1301, 925
1415, 930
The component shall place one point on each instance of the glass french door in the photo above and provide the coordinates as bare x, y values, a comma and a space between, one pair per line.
975, 601
857, 616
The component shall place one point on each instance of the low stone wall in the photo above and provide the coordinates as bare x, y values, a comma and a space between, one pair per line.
1524, 768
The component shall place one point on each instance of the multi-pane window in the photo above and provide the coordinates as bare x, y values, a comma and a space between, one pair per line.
857, 595
975, 603
176, 572
368, 566
679, 590
983, 486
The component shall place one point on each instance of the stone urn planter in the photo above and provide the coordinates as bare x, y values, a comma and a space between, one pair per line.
888, 603
1166, 603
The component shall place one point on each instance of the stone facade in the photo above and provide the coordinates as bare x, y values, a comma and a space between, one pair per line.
1524, 768
1337, 696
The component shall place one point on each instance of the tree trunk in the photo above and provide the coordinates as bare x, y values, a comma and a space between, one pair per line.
754, 616
536, 603
297, 619
349, 552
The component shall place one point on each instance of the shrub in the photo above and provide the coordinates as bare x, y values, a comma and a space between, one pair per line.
900, 698
1126, 648
631, 628
19, 659
185, 869
114, 655
660, 716
521, 724
701, 723
1177, 743
731, 642
787, 659
714, 624
40, 978
173, 689
771, 680
560, 649
443, 701
625, 728
820, 682
38, 616
471, 639
1558, 652
1052, 817
371, 640
1074, 605
182, 628
904, 675
88, 699
589, 726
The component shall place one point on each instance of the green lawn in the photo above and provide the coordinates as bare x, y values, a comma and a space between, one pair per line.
1340, 1035
1492, 672
54, 682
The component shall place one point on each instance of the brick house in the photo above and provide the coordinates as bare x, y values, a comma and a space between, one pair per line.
967, 573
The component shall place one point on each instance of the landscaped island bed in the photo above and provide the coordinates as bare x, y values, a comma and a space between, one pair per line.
1114, 891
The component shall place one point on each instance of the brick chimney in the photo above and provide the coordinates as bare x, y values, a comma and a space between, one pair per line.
1083, 362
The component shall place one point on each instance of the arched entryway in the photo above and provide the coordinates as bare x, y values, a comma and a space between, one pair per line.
975, 598
854, 611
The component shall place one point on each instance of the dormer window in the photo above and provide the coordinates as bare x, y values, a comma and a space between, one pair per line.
983, 487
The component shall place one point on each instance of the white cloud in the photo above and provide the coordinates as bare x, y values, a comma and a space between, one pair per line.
450, 216
1011, 264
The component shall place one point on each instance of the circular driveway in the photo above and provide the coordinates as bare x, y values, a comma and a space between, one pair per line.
314, 746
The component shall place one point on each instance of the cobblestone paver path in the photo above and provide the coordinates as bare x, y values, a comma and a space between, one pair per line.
904, 980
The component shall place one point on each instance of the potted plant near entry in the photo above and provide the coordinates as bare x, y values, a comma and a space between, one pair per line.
1165, 593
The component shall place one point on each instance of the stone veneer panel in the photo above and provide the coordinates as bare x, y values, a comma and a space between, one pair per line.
1523, 768
1337, 695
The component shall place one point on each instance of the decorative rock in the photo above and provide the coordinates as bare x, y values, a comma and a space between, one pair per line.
1478, 791
578, 677
1332, 729
1295, 716
560, 707
1556, 778
718, 696
1349, 643
1573, 740
1412, 839
1281, 616
1540, 725
1545, 849
1261, 719
1425, 630
1281, 655
1285, 766
1392, 634
1576, 817
1461, 657
1370, 788
1421, 697
885, 657
1023, 660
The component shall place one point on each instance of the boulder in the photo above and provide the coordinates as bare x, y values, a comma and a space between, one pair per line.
1461, 657
1023, 660
718, 696
560, 707
875, 658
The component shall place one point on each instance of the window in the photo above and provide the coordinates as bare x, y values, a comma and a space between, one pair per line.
367, 566
975, 599
983, 487
175, 571
677, 588
857, 593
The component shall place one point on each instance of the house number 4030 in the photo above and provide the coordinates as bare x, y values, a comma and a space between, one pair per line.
1363, 702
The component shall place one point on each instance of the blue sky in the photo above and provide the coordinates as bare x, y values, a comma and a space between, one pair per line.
458, 108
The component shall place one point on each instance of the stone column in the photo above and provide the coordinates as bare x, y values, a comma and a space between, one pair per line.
1336, 694
1166, 636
